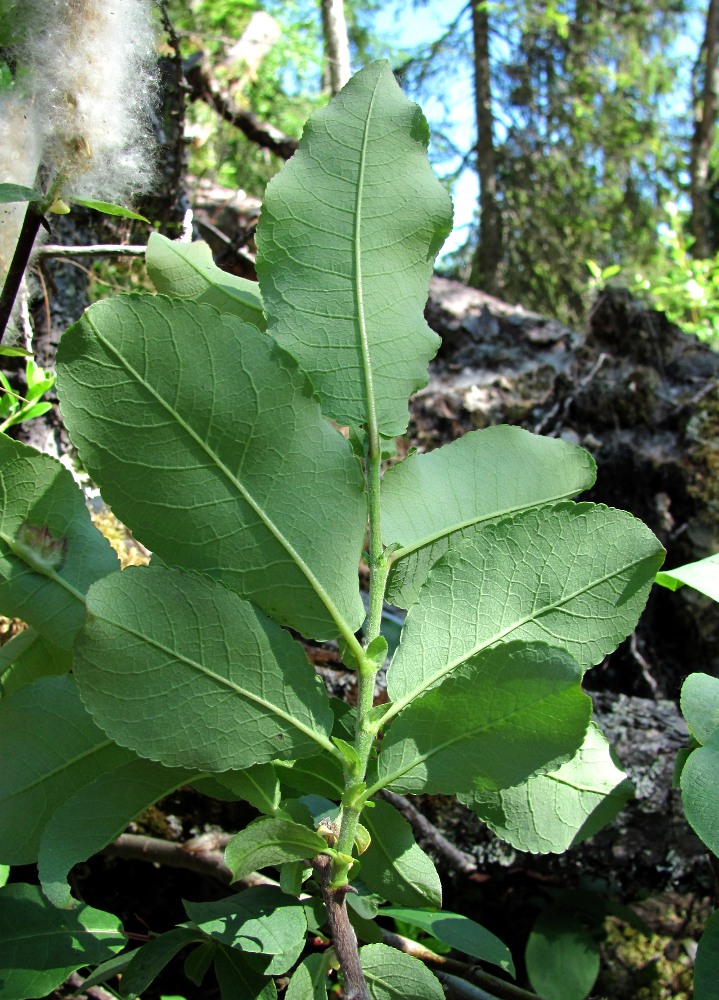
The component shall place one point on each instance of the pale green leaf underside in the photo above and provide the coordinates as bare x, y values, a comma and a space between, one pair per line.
392, 975
394, 865
187, 271
700, 794
430, 502
95, 815
571, 575
41, 505
42, 946
552, 812
39, 774
309, 980
257, 785
271, 842
187, 673
702, 576
706, 969
508, 713
209, 448
261, 920
462, 933
346, 242
700, 705
28, 656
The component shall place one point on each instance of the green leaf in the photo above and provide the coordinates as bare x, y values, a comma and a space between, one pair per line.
207, 445
28, 656
149, 960
508, 713
18, 192
346, 241
107, 208
562, 957
257, 785
575, 575
430, 502
460, 932
552, 812
706, 968
50, 748
392, 975
228, 689
262, 920
199, 961
4, 874
42, 946
700, 795
187, 271
700, 705
702, 576
271, 842
95, 815
320, 775
237, 979
309, 980
50, 551
13, 352
394, 865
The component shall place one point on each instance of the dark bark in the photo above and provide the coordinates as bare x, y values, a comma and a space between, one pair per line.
486, 260
703, 135
337, 69
18, 265
344, 939
204, 88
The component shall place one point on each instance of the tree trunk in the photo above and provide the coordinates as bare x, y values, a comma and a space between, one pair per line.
703, 137
485, 263
337, 47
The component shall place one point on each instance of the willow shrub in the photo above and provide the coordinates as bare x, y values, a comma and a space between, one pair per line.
207, 415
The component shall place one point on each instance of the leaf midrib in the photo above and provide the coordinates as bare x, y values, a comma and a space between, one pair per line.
428, 682
372, 428
329, 604
226, 682
478, 519
232, 293
46, 571
64, 766
479, 730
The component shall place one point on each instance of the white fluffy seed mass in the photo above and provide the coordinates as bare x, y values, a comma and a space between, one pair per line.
93, 70
20, 151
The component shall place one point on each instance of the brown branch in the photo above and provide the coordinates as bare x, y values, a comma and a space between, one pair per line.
472, 973
342, 932
32, 221
429, 834
94, 992
202, 855
265, 135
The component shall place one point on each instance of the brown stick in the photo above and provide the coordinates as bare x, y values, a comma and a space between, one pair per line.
204, 88
344, 939
18, 265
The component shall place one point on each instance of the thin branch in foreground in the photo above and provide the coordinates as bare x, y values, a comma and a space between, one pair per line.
31, 223
202, 855
95, 250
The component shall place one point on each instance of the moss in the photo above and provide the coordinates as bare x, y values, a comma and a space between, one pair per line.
657, 966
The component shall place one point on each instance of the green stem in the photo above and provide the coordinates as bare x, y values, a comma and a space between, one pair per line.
354, 798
